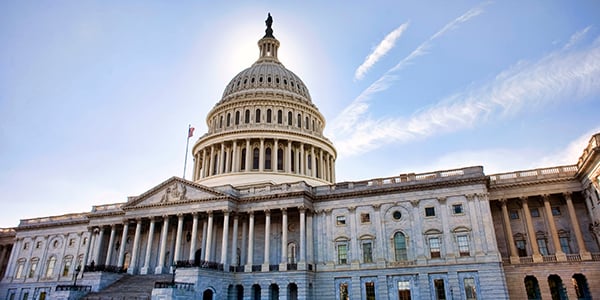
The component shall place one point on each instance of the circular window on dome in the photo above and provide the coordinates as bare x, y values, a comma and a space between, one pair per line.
397, 215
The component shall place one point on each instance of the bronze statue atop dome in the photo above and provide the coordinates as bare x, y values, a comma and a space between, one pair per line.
269, 30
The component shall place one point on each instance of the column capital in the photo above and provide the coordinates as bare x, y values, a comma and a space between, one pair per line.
180, 216
194, 214
414, 202
523, 199
470, 197
227, 211
125, 221
503, 201
328, 211
352, 208
284, 209
483, 196
545, 197
138, 220
267, 212
442, 199
152, 218
209, 213
567, 195
377, 206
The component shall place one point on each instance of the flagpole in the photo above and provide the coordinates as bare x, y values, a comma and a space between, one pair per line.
186, 148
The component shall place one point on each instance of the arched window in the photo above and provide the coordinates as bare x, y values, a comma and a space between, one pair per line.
255, 154
257, 119
224, 160
290, 118
228, 119
279, 159
247, 116
279, 117
309, 163
221, 122
557, 289
532, 288
299, 121
237, 118
50, 266
33, 267
256, 292
243, 162
293, 161
306, 123
268, 115
268, 158
215, 164
20, 267
291, 259
400, 253
582, 290
67, 261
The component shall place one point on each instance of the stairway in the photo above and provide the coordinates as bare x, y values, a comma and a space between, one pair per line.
130, 287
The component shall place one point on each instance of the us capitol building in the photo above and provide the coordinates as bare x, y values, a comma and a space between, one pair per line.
264, 218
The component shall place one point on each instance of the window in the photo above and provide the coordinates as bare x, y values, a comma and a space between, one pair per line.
532, 288
535, 212
370, 290
38, 245
33, 267
279, 159
556, 211
457, 209
514, 214
434, 247
365, 218
243, 158
279, 117
340, 220
257, 116
367, 249
268, 115
440, 289
400, 247
470, 288
564, 245
228, 119
290, 118
67, 266
463, 245
397, 215
543, 246
306, 122
247, 116
404, 290
268, 158
430, 211
580, 284
71, 242
84, 242
557, 288
50, 266
20, 267
25, 246
255, 155
299, 121
55, 244
344, 293
521, 248
237, 118
342, 254
221, 122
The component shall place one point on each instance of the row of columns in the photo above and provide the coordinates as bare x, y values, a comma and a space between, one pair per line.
537, 257
228, 254
4, 252
226, 157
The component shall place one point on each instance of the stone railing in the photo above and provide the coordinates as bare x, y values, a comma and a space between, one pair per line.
532, 175
592, 144
74, 288
174, 285
103, 268
573, 257
67, 218
107, 207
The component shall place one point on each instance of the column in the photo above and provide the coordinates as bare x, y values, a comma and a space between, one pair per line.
163, 246
221, 160
302, 260
88, 247
560, 255
332, 169
261, 156
111, 241
211, 163
203, 242
284, 240
235, 158
321, 165
14, 254
288, 157
234, 240
313, 162
447, 249
248, 155
204, 161
514, 255
244, 245
301, 159
275, 157
250, 253
123, 243
136, 244
193, 242
228, 161
178, 238
531, 231
209, 234
585, 254
267, 253
148, 247
475, 216
309, 238
3, 255
225, 239
98, 245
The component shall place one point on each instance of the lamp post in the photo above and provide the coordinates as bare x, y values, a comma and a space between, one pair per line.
77, 270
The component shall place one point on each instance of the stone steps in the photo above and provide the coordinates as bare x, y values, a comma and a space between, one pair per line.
130, 287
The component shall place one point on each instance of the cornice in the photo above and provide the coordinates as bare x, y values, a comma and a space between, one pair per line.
531, 183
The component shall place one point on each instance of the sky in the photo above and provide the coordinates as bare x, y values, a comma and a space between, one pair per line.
96, 96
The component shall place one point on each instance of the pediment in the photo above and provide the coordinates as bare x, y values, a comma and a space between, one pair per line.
172, 191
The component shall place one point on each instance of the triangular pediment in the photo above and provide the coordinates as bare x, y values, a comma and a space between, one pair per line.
171, 191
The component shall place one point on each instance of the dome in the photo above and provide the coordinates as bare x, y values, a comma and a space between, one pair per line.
266, 74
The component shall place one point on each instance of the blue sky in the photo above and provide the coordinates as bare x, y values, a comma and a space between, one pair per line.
96, 96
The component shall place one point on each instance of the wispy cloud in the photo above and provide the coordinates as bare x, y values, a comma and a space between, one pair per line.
578, 36
563, 75
349, 116
380, 50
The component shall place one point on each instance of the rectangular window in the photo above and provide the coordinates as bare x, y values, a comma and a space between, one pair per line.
19, 273
365, 218
367, 248
342, 254
344, 294
434, 247
404, 290
429, 211
556, 211
564, 245
440, 289
340, 220
535, 212
32, 269
25, 246
463, 245
470, 289
521, 248
514, 214
25, 295
38, 245
543, 246
370, 290
457, 209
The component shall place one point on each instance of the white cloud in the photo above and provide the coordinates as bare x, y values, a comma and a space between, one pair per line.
381, 50
563, 75
568, 155
578, 36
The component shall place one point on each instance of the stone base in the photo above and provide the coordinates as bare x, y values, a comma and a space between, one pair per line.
145, 271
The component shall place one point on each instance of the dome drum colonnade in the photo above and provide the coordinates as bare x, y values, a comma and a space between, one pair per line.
264, 130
